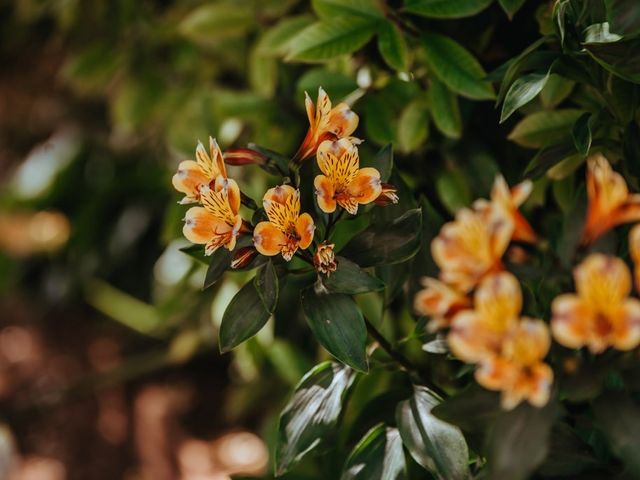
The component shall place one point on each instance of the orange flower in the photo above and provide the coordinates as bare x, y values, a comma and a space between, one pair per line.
601, 314
472, 245
192, 177
286, 230
634, 250
325, 258
610, 202
325, 123
218, 222
510, 200
343, 182
440, 302
508, 350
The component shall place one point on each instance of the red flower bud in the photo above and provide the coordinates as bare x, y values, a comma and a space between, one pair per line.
388, 195
243, 257
244, 156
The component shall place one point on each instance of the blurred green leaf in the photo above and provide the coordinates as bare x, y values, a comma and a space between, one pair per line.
521, 92
511, 6
547, 158
326, 40
337, 85
196, 252
379, 120
329, 9
472, 409
456, 67
378, 456
350, 279
383, 162
620, 58
393, 46
542, 129
556, 90
446, 8
311, 413
386, 242
210, 23
623, 17
453, 190
434, 444
582, 134
444, 109
413, 126
275, 42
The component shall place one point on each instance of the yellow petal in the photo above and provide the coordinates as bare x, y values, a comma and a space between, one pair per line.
603, 281
267, 239
528, 343
232, 190
366, 186
305, 230
283, 215
217, 203
323, 109
217, 159
634, 250
348, 203
540, 381
190, 179
201, 226
279, 194
498, 300
470, 341
325, 194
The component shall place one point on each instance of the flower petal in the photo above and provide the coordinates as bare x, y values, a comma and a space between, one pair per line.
189, 179
268, 239
305, 229
498, 300
230, 186
527, 343
571, 319
365, 186
279, 194
342, 120
325, 193
603, 281
201, 226
437, 299
469, 340
496, 373
626, 334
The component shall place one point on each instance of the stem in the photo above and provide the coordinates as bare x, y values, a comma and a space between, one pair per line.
248, 201
403, 361
333, 221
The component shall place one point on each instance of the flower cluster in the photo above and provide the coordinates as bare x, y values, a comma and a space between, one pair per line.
285, 229
480, 302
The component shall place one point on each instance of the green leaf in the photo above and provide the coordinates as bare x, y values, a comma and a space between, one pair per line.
519, 441
311, 413
386, 242
378, 456
336, 84
393, 46
623, 16
413, 126
620, 58
618, 416
220, 261
521, 92
456, 67
453, 190
547, 158
436, 445
510, 7
276, 41
196, 252
325, 40
329, 9
266, 283
599, 33
556, 90
582, 134
337, 323
378, 120
473, 409
350, 279
542, 129
213, 22
383, 162
444, 109
446, 8
244, 317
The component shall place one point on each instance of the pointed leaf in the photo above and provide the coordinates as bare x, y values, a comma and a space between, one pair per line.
311, 413
511, 6
542, 129
582, 134
523, 90
350, 279
413, 126
446, 8
393, 47
444, 109
436, 445
378, 456
244, 317
220, 262
266, 283
338, 325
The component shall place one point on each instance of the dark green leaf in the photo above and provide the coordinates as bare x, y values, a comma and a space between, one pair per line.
337, 323
456, 67
511, 6
556, 90
446, 8
618, 416
325, 40
393, 46
545, 128
547, 158
568, 454
220, 262
276, 40
266, 283
444, 109
620, 58
623, 17
523, 90
350, 279
213, 22
519, 441
453, 189
582, 134
329, 9
434, 444
336, 84
311, 413
390, 242
244, 317
473, 409
196, 252
383, 162
413, 126
378, 456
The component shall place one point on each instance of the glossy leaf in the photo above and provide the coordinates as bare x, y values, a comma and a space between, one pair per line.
350, 279
444, 109
542, 129
385, 243
378, 456
325, 40
436, 445
311, 413
521, 92
456, 67
582, 134
244, 317
338, 325
220, 262
266, 283
393, 46
446, 8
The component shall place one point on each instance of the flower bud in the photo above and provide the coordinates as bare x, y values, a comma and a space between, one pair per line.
243, 257
388, 195
244, 156
325, 258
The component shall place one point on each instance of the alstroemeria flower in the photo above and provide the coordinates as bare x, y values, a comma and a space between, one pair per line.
287, 230
610, 202
472, 245
343, 182
192, 177
519, 371
634, 250
601, 314
325, 258
325, 123
439, 302
477, 335
217, 223
511, 200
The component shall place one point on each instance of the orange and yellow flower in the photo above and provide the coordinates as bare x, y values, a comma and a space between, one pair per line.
325, 123
610, 203
217, 223
286, 230
508, 350
440, 302
601, 314
342, 181
634, 250
192, 177
472, 245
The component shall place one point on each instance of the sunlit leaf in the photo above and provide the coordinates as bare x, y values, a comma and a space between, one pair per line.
378, 456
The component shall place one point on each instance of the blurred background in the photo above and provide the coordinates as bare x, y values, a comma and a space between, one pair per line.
108, 362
